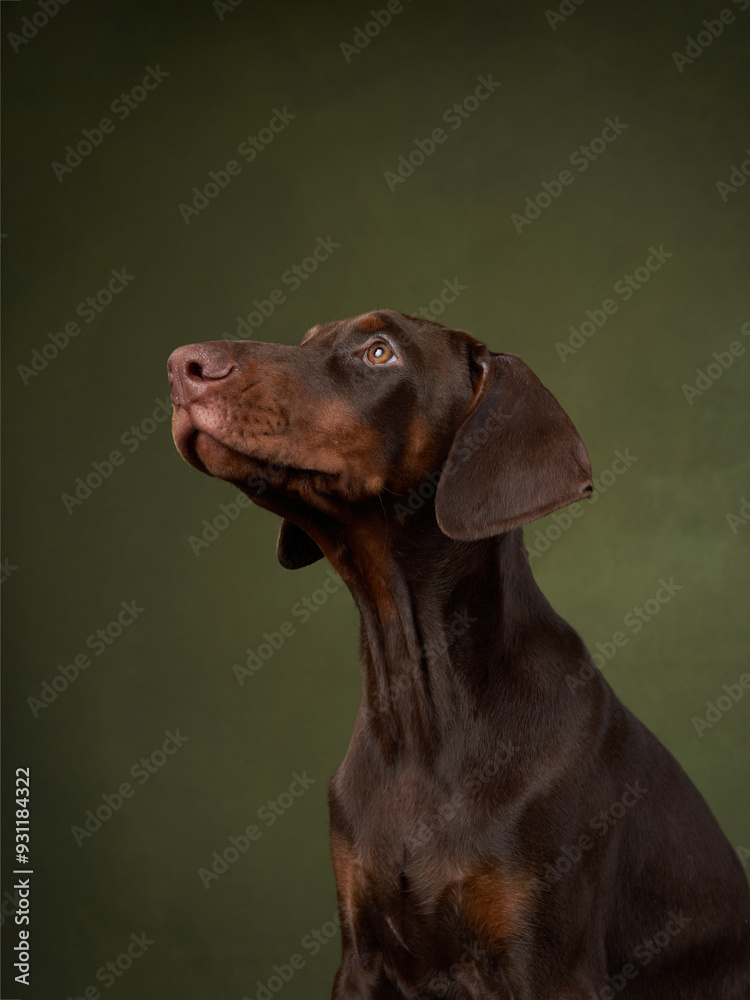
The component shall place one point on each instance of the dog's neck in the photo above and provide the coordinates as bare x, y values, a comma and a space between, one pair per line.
442, 623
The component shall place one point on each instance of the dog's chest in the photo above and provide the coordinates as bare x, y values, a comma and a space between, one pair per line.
422, 888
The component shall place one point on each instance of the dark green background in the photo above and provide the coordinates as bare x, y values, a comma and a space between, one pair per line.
324, 176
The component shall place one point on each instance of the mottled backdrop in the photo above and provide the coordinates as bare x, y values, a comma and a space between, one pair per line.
568, 184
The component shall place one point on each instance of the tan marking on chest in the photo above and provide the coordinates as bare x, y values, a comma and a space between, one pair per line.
497, 903
348, 872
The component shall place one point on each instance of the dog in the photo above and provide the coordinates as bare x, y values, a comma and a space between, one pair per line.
496, 830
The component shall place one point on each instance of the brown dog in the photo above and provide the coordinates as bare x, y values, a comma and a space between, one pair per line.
499, 829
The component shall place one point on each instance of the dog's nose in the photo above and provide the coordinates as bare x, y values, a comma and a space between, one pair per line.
194, 368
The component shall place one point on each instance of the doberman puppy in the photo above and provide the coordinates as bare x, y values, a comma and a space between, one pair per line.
500, 828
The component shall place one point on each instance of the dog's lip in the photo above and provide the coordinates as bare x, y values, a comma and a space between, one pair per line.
189, 426
190, 451
185, 435
182, 423
187, 432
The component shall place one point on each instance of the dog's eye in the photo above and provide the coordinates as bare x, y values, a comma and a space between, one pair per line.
379, 353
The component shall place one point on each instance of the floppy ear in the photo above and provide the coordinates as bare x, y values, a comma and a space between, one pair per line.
516, 457
295, 548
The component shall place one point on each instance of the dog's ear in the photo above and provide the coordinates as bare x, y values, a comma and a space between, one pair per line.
516, 456
295, 548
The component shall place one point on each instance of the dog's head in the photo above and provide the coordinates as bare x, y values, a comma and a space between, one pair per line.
383, 411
